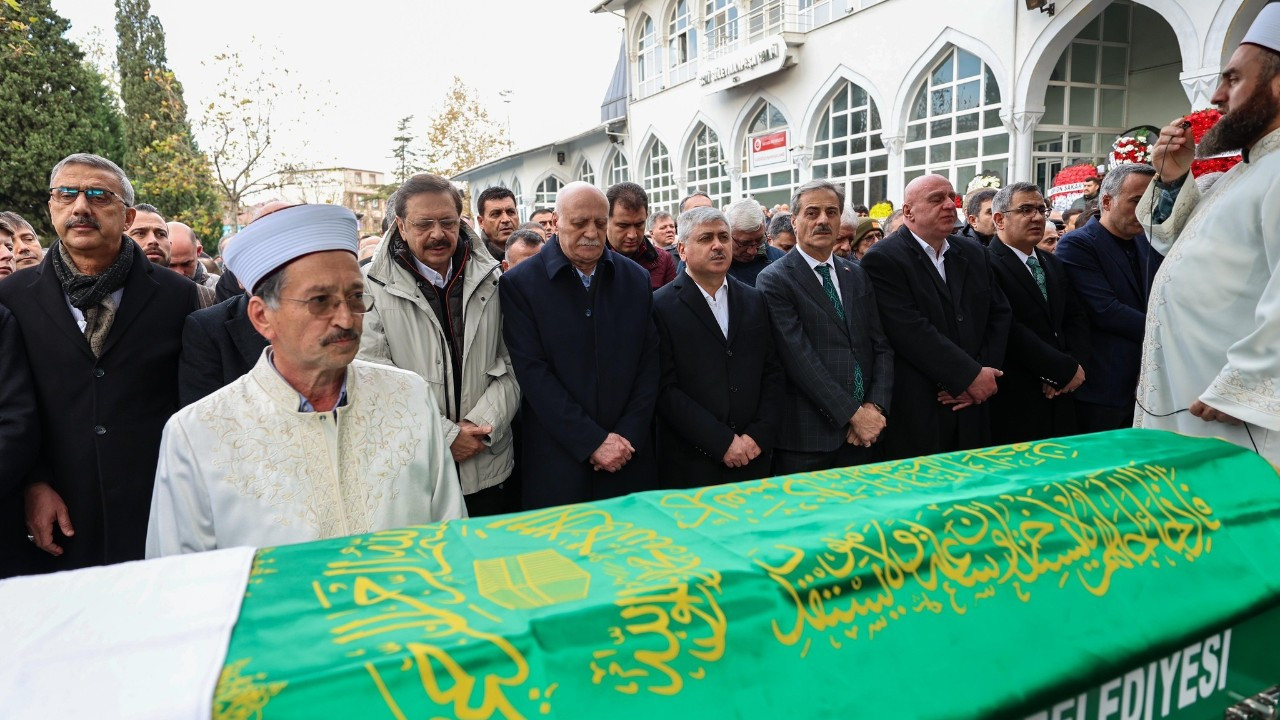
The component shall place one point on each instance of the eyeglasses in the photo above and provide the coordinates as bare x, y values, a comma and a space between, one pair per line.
100, 197
1031, 210
427, 224
326, 305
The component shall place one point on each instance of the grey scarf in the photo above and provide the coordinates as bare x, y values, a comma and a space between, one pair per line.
91, 294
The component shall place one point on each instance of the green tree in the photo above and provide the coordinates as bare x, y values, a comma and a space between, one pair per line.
403, 152
162, 159
462, 135
54, 104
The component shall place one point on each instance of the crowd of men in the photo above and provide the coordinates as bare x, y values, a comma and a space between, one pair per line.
324, 385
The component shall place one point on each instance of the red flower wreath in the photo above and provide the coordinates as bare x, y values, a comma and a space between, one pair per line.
1068, 185
1201, 121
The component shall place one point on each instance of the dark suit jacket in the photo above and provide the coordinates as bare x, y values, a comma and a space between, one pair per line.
943, 334
714, 388
102, 417
219, 344
19, 443
1047, 342
587, 363
819, 351
1116, 302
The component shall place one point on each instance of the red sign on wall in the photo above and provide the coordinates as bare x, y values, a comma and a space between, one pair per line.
769, 148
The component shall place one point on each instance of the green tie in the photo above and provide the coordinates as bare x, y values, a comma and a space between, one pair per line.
830, 288
859, 388
1038, 273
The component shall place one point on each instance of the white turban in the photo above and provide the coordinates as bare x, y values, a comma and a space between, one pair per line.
1265, 30
273, 241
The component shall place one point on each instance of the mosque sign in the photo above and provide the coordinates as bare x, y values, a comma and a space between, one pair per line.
754, 61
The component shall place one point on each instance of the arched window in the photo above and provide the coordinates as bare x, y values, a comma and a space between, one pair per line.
847, 148
768, 174
658, 180
648, 71
1085, 103
617, 169
722, 23
705, 169
545, 197
954, 128
682, 43
586, 173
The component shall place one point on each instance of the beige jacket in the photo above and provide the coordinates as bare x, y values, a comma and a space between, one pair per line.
402, 330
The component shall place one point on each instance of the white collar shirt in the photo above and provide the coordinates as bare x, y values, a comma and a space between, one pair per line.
432, 276
814, 264
78, 315
1022, 258
937, 259
719, 303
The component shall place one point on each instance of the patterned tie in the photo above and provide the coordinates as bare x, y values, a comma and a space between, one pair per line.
859, 387
830, 289
1038, 273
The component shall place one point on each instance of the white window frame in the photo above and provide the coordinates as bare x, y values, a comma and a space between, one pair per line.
834, 157
705, 167
929, 150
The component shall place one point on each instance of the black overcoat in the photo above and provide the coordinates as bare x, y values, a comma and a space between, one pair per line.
943, 334
587, 364
101, 418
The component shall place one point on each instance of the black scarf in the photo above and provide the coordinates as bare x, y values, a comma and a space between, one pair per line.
86, 291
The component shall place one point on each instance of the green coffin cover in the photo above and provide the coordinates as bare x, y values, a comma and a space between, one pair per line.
1046, 580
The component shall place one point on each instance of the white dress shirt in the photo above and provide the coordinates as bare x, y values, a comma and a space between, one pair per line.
1022, 258
815, 264
719, 303
78, 315
432, 276
936, 259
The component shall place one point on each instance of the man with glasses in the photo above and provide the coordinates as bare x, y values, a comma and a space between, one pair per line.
438, 314
1049, 335
102, 327
751, 253
312, 443
1111, 264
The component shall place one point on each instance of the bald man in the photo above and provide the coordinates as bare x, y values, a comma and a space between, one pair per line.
184, 253
576, 318
947, 321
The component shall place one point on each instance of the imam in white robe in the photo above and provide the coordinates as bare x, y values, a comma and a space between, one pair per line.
1213, 320
244, 466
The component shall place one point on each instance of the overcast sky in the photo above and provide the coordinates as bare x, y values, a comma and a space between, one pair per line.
375, 61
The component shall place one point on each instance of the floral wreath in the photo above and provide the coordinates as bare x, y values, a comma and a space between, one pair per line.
1069, 184
881, 210
1131, 150
1201, 121
983, 181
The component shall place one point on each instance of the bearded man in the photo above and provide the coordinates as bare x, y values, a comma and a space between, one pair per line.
1220, 375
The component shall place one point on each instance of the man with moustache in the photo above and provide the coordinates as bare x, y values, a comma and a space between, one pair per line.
101, 327
838, 363
499, 217
948, 323
6, 250
26, 244
437, 313
1209, 361
576, 318
628, 213
721, 396
312, 443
